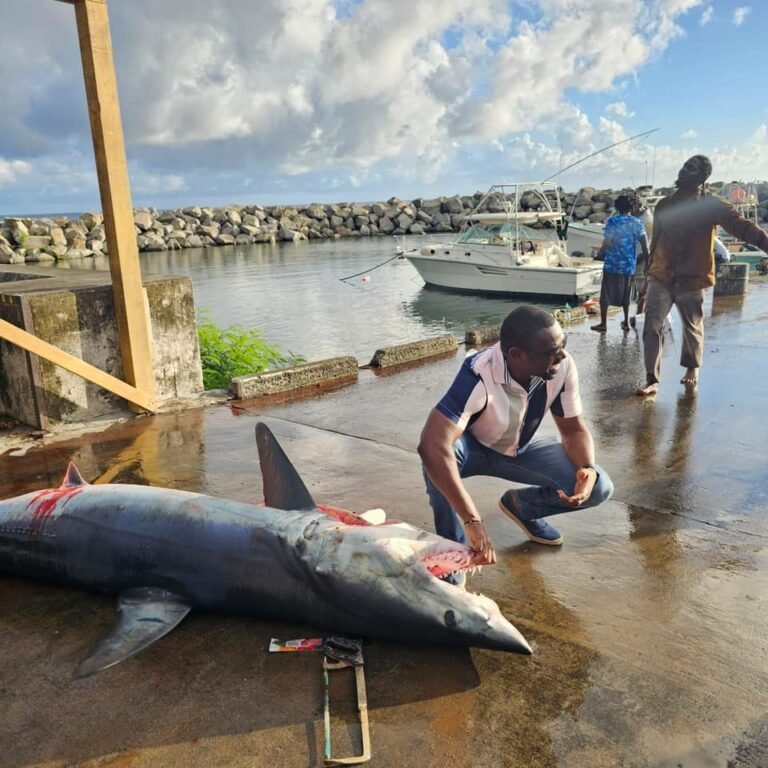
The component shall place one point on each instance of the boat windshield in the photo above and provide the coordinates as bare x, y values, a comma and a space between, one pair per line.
501, 234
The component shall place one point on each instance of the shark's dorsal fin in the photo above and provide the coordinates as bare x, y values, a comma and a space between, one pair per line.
72, 477
144, 615
283, 488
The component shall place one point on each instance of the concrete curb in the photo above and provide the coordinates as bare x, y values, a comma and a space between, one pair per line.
338, 369
414, 350
577, 313
298, 377
482, 336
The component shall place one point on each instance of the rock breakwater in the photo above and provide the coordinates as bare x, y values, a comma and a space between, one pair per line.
34, 240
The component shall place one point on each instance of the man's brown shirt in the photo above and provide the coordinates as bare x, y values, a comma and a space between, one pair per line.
682, 250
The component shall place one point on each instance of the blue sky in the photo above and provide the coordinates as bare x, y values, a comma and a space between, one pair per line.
291, 101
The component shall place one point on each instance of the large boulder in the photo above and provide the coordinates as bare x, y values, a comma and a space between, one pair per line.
57, 236
582, 211
431, 207
315, 211
404, 221
386, 225
143, 220
9, 256
91, 219
37, 241
75, 238
453, 205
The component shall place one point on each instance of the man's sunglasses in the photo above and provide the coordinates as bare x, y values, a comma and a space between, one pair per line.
552, 352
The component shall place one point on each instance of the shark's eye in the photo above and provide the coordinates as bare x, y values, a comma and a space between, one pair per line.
451, 618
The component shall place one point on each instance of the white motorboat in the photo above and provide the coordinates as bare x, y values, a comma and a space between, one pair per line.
513, 242
743, 197
584, 237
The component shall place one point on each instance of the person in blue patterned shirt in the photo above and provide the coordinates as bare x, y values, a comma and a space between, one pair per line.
622, 234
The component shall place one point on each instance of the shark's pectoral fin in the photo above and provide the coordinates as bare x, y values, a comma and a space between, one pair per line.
144, 615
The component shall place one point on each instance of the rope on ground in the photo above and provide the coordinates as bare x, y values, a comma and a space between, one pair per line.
365, 271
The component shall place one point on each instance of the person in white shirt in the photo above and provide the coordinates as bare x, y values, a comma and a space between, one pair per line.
486, 424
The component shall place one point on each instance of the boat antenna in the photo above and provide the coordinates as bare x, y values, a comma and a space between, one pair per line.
610, 146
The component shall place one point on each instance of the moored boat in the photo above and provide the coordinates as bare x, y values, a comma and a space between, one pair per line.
513, 242
743, 197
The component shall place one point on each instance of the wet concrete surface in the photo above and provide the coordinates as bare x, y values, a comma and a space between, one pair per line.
649, 626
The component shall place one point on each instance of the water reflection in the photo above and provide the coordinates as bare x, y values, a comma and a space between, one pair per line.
456, 312
296, 294
544, 699
663, 461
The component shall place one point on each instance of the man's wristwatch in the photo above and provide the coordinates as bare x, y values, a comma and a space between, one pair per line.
589, 466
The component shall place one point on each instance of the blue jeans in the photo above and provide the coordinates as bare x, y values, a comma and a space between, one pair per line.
542, 466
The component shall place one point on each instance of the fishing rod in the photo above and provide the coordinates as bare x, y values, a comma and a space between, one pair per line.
610, 146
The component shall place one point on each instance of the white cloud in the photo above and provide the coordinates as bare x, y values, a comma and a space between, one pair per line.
689, 134
311, 88
637, 162
149, 183
706, 16
619, 108
740, 14
12, 170
354, 92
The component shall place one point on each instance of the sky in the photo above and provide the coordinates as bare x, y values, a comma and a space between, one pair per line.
297, 101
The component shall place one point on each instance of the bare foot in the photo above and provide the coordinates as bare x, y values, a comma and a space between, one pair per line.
647, 390
691, 378
599, 328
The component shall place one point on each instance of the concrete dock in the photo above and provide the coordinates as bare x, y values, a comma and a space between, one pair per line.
649, 626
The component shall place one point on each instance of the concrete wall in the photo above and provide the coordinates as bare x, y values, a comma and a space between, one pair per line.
74, 311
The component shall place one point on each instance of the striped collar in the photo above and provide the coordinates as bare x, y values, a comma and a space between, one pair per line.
494, 359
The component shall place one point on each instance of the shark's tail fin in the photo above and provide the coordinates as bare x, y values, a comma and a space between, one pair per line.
283, 488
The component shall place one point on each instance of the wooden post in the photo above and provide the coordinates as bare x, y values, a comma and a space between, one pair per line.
106, 128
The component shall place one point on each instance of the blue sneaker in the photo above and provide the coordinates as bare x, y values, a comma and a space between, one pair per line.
539, 530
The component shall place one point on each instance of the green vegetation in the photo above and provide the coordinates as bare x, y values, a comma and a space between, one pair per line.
235, 351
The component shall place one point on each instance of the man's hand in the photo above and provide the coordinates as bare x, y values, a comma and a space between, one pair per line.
582, 490
480, 543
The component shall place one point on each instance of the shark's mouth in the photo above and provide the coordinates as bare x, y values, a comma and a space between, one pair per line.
443, 559
448, 558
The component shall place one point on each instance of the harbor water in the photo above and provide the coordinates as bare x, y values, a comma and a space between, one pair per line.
295, 294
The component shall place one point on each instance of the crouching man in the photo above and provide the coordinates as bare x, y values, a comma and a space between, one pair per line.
486, 425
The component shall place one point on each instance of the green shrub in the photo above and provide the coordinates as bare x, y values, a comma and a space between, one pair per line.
236, 351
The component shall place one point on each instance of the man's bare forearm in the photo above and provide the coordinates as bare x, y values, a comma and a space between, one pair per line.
579, 447
440, 465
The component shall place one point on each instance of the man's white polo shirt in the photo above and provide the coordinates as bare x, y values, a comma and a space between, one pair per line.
502, 415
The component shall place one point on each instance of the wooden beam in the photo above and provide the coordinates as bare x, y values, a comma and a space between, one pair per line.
131, 311
37, 346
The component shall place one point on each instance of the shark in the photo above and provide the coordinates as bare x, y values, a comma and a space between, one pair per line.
165, 552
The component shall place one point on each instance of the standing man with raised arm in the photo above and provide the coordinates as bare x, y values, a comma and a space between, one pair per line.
682, 266
486, 424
